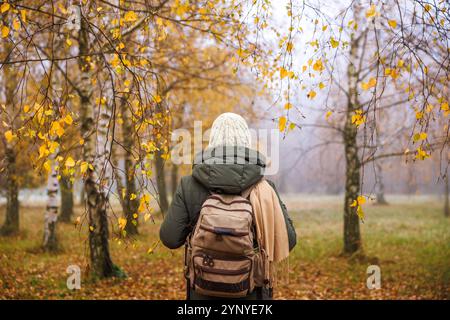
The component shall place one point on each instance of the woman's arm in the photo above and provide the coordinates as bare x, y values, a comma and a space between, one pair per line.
175, 227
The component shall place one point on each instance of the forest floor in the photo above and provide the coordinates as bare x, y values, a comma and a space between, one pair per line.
409, 240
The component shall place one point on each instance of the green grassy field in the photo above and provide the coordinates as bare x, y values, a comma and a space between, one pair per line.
409, 240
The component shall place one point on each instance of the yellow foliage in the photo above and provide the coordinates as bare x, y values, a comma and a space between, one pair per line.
282, 123
288, 106
5, 7
130, 16
421, 154
122, 223
318, 65
69, 162
392, 23
334, 43
369, 84
5, 31
311, 95
9, 136
371, 12
358, 118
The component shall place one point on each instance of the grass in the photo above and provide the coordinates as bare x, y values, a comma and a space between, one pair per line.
409, 240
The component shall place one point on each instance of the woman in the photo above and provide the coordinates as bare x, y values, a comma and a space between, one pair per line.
225, 167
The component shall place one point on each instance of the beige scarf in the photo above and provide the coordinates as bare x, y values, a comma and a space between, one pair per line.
270, 226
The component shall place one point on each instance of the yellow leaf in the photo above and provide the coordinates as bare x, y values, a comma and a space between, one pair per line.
334, 43
5, 7
311, 95
47, 166
420, 136
371, 12
5, 31
68, 42
83, 167
9, 136
369, 84
52, 146
321, 86
358, 118
69, 162
392, 24
23, 15
43, 151
421, 154
68, 119
354, 203
81, 142
130, 16
122, 223
282, 123
91, 228
56, 129
26, 108
283, 73
133, 196
146, 217
288, 106
328, 114
361, 200
289, 46
16, 24
360, 212
419, 115
158, 98
318, 65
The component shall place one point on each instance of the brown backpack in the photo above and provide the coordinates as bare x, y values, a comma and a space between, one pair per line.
221, 259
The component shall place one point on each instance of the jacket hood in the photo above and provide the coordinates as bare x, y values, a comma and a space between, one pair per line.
228, 169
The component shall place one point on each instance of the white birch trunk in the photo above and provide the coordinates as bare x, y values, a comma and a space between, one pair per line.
51, 213
95, 152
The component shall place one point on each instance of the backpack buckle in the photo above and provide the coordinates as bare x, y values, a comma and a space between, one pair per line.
208, 261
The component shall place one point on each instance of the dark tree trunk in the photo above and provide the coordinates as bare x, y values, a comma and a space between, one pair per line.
159, 161
11, 224
101, 263
446, 195
161, 181
130, 206
66, 188
381, 200
82, 197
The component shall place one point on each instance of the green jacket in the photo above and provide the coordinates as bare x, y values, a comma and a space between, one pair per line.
214, 171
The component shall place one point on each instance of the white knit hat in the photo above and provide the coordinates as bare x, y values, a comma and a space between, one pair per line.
229, 129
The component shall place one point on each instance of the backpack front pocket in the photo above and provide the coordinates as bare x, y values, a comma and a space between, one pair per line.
223, 277
221, 233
